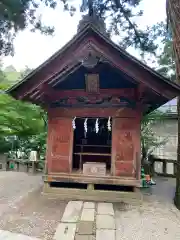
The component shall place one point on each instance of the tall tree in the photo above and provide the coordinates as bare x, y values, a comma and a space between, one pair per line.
17, 15
173, 14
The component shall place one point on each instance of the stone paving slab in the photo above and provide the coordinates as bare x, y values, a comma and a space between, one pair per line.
84, 237
105, 208
105, 222
87, 214
6, 235
65, 231
72, 212
89, 205
105, 234
85, 228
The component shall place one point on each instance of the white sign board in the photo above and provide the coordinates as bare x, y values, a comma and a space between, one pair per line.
33, 156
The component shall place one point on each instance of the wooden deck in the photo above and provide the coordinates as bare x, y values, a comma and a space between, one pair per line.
78, 177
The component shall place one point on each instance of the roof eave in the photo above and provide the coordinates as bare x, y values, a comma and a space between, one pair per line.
88, 27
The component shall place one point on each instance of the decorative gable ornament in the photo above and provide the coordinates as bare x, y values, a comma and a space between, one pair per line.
90, 61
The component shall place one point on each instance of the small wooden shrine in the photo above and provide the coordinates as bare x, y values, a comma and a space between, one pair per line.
95, 94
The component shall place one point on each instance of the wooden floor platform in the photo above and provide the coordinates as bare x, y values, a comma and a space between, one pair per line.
90, 194
87, 179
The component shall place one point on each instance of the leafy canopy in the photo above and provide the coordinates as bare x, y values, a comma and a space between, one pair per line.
22, 125
166, 60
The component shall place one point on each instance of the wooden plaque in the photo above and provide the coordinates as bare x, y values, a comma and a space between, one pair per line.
92, 83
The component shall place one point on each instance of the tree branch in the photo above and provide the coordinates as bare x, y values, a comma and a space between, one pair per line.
120, 6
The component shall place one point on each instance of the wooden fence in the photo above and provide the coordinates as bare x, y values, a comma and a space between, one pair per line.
20, 165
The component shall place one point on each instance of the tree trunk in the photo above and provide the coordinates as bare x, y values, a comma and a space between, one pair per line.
177, 193
176, 41
173, 16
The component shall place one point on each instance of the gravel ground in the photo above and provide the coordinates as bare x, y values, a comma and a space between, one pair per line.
36, 216
152, 220
14, 186
23, 209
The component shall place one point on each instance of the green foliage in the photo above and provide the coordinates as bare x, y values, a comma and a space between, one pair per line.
22, 125
149, 139
25, 72
17, 15
166, 61
122, 16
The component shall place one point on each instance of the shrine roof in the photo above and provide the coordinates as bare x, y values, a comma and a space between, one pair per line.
68, 60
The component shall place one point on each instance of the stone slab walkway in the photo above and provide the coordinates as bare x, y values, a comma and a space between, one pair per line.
104, 221
87, 220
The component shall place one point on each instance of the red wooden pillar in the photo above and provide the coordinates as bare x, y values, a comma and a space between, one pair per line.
59, 145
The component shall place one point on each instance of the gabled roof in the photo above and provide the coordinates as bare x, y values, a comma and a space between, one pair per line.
49, 69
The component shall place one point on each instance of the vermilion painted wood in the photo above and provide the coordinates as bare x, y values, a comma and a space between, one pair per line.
125, 138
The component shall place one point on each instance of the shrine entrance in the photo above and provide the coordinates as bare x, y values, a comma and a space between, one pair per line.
92, 144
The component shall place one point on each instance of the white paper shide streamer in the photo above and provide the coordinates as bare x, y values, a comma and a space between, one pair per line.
109, 124
97, 125
74, 123
85, 126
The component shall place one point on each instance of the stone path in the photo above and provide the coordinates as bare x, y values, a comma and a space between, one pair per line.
87, 221
104, 221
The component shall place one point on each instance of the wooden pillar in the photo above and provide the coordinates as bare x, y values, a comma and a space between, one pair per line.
164, 167
27, 166
33, 167
17, 166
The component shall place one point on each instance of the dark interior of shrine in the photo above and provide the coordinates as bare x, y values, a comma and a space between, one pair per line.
92, 146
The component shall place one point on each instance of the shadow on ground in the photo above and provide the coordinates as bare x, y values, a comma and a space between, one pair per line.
163, 190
